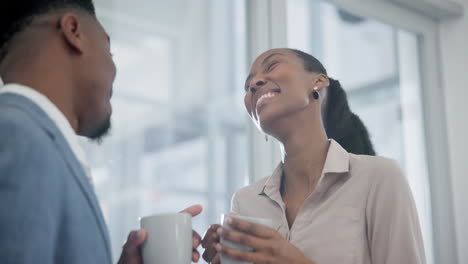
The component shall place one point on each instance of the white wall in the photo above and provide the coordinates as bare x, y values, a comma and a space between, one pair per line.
454, 52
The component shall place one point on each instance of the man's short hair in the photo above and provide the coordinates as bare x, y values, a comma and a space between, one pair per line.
16, 15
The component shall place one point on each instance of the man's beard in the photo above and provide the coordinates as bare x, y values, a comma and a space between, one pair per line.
101, 131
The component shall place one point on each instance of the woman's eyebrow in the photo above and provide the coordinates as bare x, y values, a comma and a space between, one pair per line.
265, 61
270, 56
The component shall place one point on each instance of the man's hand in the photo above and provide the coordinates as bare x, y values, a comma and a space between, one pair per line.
131, 253
194, 210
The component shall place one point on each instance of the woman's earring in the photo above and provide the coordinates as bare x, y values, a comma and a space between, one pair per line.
266, 138
315, 93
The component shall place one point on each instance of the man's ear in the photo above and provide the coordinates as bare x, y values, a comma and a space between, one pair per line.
72, 30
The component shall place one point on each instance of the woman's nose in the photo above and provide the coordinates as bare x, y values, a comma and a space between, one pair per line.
258, 85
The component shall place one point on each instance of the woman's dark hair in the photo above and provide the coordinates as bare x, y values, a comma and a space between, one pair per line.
18, 14
341, 124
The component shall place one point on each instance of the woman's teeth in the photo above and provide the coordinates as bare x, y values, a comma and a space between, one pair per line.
265, 96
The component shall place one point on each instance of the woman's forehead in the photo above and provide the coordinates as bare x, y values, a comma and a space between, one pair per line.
281, 52
265, 57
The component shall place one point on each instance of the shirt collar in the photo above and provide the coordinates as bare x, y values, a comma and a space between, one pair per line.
337, 161
54, 114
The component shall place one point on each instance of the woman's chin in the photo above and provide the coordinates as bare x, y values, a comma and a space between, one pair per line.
266, 121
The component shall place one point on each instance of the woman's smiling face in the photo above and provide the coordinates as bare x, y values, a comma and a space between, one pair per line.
278, 85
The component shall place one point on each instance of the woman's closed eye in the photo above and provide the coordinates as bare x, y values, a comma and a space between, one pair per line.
271, 66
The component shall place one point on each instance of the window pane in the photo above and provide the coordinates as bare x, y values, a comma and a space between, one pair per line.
378, 66
179, 129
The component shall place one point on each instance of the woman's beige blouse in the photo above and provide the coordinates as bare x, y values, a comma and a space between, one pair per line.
361, 212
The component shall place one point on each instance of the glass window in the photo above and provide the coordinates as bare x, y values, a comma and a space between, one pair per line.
179, 129
378, 66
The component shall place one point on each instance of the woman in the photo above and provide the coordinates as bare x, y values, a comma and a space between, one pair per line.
328, 206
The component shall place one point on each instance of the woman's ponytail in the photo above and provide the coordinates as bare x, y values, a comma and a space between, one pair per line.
341, 124
344, 126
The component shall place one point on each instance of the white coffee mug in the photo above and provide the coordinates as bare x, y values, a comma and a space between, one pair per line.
261, 221
169, 239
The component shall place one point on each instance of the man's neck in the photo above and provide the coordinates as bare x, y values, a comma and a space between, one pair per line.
57, 90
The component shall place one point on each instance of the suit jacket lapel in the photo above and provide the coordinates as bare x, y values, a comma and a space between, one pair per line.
81, 179
75, 167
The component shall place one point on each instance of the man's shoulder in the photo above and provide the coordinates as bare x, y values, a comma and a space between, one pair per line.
22, 139
16, 122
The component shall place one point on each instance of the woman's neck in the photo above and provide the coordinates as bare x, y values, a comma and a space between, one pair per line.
304, 155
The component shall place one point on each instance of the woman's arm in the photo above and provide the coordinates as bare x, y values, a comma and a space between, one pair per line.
393, 229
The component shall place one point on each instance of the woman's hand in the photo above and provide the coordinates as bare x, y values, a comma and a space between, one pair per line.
209, 241
269, 246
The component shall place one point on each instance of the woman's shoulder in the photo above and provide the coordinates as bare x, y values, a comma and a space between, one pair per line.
252, 189
247, 198
373, 162
375, 167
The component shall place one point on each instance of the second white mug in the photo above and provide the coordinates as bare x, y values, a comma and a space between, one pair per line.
261, 221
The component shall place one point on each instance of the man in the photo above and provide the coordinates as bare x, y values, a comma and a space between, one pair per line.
56, 63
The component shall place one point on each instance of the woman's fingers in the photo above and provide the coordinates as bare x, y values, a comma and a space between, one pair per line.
253, 257
210, 251
251, 228
208, 238
241, 238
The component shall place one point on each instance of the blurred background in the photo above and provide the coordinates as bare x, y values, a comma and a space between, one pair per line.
180, 133
179, 129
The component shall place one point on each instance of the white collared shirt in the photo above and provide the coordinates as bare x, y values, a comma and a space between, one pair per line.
57, 117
